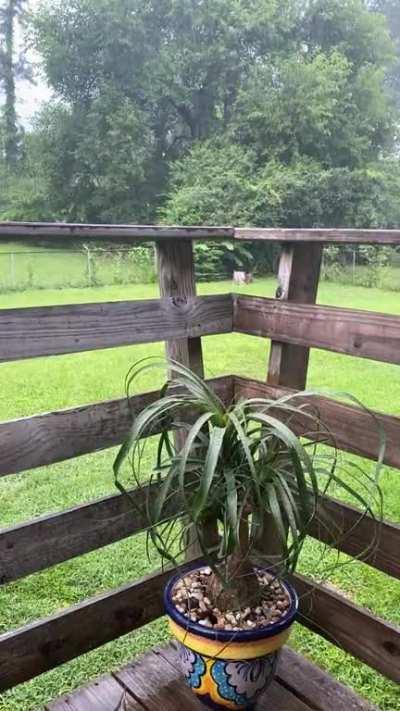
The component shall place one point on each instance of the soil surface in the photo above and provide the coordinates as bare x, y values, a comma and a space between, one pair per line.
190, 598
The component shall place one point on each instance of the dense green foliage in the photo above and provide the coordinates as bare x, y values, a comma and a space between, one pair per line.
257, 112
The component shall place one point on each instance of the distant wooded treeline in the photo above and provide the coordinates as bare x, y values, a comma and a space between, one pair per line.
260, 112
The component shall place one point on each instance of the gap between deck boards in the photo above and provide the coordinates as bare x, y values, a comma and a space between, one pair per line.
153, 683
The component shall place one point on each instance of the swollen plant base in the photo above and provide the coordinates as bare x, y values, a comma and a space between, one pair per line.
228, 669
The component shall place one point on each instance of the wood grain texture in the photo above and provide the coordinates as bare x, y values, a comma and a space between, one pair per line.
299, 269
317, 688
157, 684
343, 527
176, 275
56, 436
132, 233
48, 540
47, 643
359, 333
325, 236
349, 626
177, 281
154, 682
52, 330
298, 276
103, 694
354, 429
119, 233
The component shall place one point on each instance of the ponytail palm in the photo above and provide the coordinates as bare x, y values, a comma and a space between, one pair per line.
236, 467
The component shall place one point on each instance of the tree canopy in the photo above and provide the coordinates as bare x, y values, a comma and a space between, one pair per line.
246, 111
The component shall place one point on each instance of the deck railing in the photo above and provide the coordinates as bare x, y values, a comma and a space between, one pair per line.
293, 323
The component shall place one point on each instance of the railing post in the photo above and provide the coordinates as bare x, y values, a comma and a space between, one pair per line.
177, 280
299, 270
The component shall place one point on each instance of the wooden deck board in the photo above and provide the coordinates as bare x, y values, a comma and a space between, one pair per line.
153, 683
104, 694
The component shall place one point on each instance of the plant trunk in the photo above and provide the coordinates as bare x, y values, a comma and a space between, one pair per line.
237, 585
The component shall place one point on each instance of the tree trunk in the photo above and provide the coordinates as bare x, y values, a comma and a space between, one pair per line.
10, 115
237, 586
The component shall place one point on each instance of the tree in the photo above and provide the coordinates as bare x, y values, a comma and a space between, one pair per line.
178, 63
10, 69
159, 100
391, 10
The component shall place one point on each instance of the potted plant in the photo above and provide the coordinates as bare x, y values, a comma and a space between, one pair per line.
230, 469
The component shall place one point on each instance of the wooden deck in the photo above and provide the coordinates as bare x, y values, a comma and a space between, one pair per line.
153, 683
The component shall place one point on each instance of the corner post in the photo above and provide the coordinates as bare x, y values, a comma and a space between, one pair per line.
299, 271
177, 280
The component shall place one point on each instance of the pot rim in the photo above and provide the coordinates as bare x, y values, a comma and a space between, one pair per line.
228, 635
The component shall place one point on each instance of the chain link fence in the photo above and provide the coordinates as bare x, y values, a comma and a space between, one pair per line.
88, 267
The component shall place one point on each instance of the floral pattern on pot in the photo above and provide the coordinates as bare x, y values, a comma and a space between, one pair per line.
227, 684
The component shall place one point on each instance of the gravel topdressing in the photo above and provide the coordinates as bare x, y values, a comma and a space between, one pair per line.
190, 598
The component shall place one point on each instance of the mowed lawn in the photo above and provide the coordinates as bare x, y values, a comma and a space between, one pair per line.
41, 385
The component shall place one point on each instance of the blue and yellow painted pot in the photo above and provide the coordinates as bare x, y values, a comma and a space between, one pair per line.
228, 670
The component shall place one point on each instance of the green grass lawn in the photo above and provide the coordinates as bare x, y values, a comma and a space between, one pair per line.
51, 383
26, 267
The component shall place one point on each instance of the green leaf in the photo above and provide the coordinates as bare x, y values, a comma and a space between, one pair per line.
215, 445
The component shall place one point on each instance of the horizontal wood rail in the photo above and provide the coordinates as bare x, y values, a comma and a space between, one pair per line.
138, 233
52, 539
354, 429
47, 643
349, 626
48, 540
376, 544
43, 645
39, 440
324, 236
53, 330
358, 333
117, 233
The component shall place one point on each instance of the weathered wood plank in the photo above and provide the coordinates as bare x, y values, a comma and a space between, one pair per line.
177, 280
298, 277
359, 333
354, 429
132, 233
157, 684
317, 688
154, 682
118, 233
376, 544
325, 236
48, 540
52, 437
52, 330
349, 626
47, 643
104, 694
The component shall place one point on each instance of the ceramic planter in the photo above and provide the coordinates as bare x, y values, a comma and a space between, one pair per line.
228, 670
